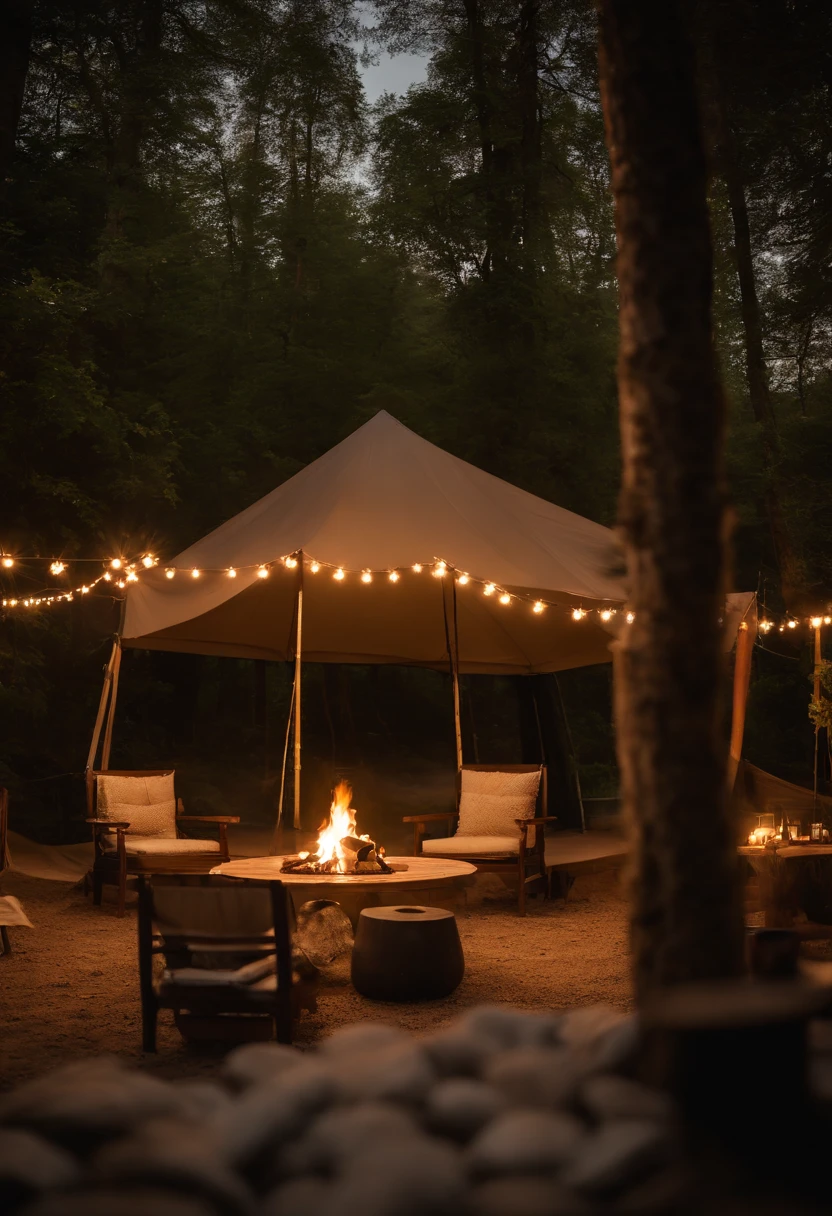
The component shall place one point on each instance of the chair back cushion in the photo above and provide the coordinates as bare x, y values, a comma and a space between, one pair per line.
224, 911
147, 803
491, 801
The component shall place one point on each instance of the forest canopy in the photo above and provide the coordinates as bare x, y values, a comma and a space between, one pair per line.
217, 259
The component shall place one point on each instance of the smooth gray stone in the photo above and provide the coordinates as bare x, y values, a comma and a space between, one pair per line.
510, 1027
617, 1048
133, 1201
29, 1165
343, 1132
202, 1100
411, 1178
537, 1076
607, 1096
615, 1156
362, 1037
323, 931
529, 1195
298, 1197
85, 1103
254, 1063
525, 1142
582, 1027
460, 1106
269, 1114
397, 1071
458, 1052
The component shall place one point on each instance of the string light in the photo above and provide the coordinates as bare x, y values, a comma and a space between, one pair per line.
169, 573
338, 575
231, 572
791, 624
827, 620
816, 622
439, 570
195, 573
85, 590
148, 560
765, 626
417, 569
538, 606
314, 567
57, 568
366, 576
578, 614
463, 580
291, 562
8, 562
489, 589
393, 576
606, 614
116, 563
505, 598
108, 578
631, 616
121, 583
132, 577
263, 572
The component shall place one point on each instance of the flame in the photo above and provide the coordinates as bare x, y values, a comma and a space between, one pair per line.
341, 823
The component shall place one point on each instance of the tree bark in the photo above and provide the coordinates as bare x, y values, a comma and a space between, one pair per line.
15, 49
685, 920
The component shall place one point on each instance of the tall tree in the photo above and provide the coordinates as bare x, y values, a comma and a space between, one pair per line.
668, 665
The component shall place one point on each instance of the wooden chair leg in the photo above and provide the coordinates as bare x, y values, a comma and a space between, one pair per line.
4, 937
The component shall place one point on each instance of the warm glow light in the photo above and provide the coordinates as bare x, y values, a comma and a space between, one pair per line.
57, 568
792, 624
578, 614
606, 614
463, 580
631, 616
116, 563
743, 626
84, 590
340, 825
148, 560
169, 573
8, 562
489, 589
339, 574
765, 626
417, 569
538, 606
366, 577
439, 570
314, 567
827, 620
121, 583
231, 572
263, 572
195, 573
108, 578
132, 577
505, 598
816, 622
291, 562
393, 576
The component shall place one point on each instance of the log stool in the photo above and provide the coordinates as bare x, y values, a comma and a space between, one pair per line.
407, 954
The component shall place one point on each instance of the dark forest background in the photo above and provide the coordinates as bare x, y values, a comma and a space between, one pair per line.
217, 260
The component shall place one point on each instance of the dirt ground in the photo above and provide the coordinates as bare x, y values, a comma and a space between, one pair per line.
70, 987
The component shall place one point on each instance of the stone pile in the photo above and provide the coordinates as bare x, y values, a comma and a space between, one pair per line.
502, 1114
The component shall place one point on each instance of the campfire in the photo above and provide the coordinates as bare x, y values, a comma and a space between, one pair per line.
340, 849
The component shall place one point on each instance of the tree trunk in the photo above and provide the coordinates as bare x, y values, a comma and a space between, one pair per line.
669, 667
15, 48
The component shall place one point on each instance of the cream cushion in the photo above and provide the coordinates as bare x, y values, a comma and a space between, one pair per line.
474, 846
158, 845
490, 802
148, 803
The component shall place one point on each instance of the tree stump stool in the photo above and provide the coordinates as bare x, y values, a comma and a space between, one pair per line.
407, 954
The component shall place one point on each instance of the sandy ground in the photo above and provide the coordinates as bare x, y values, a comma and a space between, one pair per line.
70, 987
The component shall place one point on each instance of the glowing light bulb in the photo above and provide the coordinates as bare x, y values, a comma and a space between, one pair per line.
463, 580
631, 616
366, 577
792, 624
148, 560
817, 621
765, 626
489, 589
231, 572
606, 614
827, 620
195, 573
505, 598
169, 573
538, 606
116, 563
108, 578
743, 626
57, 568
417, 569
314, 567
263, 572
8, 562
132, 577
393, 576
338, 575
578, 614
439, 570
781, 628
121, 583
12, 603
84, 590
291, 562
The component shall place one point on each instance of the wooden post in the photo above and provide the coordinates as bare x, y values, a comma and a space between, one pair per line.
452, 639
278, 831
102, 707
108, 730
742, 680
298, 653
816, 694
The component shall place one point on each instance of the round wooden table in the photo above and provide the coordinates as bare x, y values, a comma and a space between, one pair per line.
435, 881
792, 878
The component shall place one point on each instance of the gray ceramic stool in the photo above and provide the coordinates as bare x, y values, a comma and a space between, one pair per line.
407, 954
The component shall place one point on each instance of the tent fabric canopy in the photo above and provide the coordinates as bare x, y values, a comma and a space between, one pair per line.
385, 499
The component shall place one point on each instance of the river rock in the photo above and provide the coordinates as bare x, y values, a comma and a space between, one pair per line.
29, 1165
344, 1132
298, 1197
617, 1155
459, 1053
411, 1178
607, 1096
363, 1038
267, 1115
525, 1142
460, 1106
536, 1076
511, 1027
397, 1072
254, 1063
527, 1195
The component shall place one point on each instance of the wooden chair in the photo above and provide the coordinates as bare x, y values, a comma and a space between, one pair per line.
118, 853
209, 919
526, 857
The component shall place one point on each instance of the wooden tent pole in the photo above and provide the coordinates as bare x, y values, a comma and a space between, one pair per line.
276, 839
452, 639
816, 691
298, 654
108, 731
746, 634
102, 706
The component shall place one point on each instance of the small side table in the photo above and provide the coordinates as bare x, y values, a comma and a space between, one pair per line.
407, 953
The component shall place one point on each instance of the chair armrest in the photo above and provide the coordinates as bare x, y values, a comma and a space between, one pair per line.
207, 818
540, 819
432, 818
110, 824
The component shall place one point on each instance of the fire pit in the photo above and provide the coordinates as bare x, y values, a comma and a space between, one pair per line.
340, 850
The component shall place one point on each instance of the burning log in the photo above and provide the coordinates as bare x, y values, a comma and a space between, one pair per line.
340, 849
